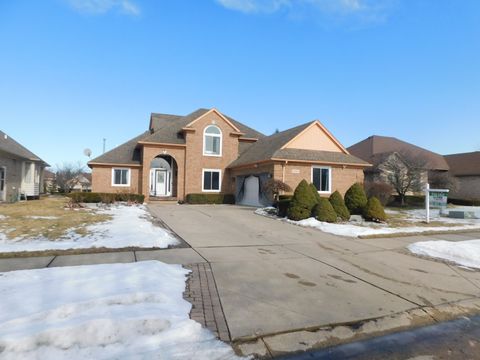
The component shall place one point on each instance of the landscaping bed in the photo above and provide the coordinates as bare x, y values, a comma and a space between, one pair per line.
370, 219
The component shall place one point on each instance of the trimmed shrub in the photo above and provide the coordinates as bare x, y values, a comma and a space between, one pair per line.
302, 202
108, 198
356, 199
315, 193
382, 191
464, 202
374, 211
210, 199
338, 205
282, 206
324, 211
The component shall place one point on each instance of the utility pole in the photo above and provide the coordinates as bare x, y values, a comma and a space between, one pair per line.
104, 142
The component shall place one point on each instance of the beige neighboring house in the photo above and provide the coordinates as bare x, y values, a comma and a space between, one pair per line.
465, 167
379, 150
82, 183
209, 152
21, 171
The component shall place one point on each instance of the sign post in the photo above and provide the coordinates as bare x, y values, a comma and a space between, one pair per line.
427, 202
436, 198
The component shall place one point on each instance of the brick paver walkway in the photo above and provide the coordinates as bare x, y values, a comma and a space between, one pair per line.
201, 292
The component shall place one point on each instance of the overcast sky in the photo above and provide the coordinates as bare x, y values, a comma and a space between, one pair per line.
73, 72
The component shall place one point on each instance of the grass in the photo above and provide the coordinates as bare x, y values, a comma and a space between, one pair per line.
48, 217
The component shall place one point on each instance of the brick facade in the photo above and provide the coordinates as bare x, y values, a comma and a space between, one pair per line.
467, 188
190, 163
102, 179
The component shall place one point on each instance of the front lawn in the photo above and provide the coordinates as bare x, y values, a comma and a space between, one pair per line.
47, 218
48, 224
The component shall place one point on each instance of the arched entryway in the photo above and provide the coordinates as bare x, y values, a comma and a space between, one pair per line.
163, 176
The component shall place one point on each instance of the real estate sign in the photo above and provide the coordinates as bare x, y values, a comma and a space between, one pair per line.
435, 198
438, 198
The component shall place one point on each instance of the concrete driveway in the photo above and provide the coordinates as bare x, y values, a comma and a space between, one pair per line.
275, 277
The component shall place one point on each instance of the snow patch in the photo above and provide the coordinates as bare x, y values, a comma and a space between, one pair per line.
130, 226
102, 311
465, 253
365, 228
42, 217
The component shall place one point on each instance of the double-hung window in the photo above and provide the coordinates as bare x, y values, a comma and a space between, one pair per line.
212, 141
211, 180
322, 178
120, 177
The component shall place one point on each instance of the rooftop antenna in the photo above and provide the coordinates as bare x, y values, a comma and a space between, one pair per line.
87, 152
104, 143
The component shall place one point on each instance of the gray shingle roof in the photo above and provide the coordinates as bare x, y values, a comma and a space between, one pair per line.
371, 148
270, 147
465, 164
266, 147
321, 156
164, 128
9, 145
127, 153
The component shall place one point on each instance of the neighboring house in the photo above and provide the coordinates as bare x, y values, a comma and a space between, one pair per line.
49, 181
209, 152
379, 150
465, 168
82, 183
21, 171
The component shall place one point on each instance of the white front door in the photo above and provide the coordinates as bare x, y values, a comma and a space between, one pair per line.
2, 184
161, 181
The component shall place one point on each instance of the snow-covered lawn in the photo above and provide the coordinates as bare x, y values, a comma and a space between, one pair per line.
114, 311
401, 222
130, 226
465, 253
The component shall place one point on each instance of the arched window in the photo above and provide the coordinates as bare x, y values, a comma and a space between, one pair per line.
212, 141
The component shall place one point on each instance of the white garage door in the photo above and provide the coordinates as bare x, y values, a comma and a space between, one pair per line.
251, 192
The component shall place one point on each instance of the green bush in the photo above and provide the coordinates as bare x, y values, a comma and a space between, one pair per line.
302, 202
355, 199
324, 211
282, 206
338, 204
315, 193
210, 199
108, 198
374, 211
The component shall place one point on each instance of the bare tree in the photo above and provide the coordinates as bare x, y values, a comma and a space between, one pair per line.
405, 172
66, 175
273, 188
442, 180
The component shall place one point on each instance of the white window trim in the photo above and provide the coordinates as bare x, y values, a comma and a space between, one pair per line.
214, 135
128, 177
329, 168
219, 180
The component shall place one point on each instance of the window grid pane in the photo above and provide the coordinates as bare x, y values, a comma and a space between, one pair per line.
316, 178
207, 180
211, 180
324, 182
215, 181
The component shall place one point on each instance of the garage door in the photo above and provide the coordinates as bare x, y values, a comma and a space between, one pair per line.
251, 192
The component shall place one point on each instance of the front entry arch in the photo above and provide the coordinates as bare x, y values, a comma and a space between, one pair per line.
163, 171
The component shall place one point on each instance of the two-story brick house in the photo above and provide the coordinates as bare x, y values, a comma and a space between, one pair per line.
209, 152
